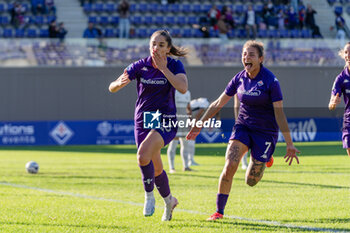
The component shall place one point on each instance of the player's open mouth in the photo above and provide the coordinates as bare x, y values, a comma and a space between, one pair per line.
248, 65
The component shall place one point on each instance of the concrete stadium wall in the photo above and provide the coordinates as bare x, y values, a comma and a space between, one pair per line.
38, 94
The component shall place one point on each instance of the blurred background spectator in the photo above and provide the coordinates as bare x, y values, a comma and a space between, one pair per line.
250, 22
91, 32
124, 23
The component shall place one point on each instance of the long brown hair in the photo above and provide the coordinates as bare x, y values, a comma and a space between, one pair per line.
174, 50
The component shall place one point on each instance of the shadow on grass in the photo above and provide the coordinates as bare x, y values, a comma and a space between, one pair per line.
258, 227
97, 226
323, 220
270, 181
201, 149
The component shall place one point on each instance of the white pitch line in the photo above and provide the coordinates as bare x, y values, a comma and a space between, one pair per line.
274, 223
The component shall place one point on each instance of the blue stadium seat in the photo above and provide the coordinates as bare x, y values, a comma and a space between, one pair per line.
9, 6
241, 33
2, 7
159, 20
148, 20
150, 31
109, 32
258, 8
197, 33
283, 33
103, 20
272, 33
26, 6
19, 33
132, 8
213, 33
142, 7
114, 20
92, 19
31, 33
196, 8
39, 20
4, 20
231, 33
170, 20
110, 8
97, 7
50, 18
7, 33
186, 8
205, 8
164, 8
87, 8
306, 33
174, 8
262, 33
239, 9
295, 33
338, 9
180, 20
175, 32
192, 20
186, 32
137, 20
141, 32
153, 7
44, 33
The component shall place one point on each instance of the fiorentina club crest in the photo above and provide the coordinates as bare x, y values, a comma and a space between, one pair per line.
61, 133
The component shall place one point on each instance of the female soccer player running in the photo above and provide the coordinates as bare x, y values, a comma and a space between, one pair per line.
157, 78
342, 86
260, 115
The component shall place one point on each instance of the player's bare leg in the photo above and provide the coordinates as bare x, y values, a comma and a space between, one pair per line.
234, 153
254, 172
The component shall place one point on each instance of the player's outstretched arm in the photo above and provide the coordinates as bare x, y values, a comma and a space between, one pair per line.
119, 83
211, 111
283, 125
334, 101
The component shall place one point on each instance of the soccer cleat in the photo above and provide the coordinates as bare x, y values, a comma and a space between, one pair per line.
172, 171
187, 169
215, 216
270, 162
168, 210
148, 208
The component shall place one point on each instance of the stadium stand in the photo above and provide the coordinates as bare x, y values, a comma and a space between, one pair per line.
22, 18
188, 19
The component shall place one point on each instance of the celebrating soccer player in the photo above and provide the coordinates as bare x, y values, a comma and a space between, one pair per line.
157, 78
260, 115
341, 86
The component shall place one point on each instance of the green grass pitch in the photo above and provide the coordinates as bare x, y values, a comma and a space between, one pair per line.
99, 189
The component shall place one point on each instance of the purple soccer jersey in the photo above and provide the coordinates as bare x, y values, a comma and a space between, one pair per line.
154, 92
256, 97
341, 86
